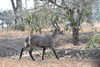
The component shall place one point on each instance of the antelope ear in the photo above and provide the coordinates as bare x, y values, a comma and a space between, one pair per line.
58, 28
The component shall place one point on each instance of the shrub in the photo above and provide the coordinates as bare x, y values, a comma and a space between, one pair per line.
21, 26
93, 42
50, 55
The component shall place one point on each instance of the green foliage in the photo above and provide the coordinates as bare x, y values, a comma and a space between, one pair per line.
7, 17
93, 42
28, 19
35, 25
40, 19
21, 26
6, 14
67, 27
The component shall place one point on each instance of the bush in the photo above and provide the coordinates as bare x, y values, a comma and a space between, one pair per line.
93, 42
21, 26
50, 55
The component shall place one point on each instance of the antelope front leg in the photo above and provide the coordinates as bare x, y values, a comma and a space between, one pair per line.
54, 52
44, 48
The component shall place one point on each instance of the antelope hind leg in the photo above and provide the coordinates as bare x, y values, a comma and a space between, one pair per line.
30, 52
22, 51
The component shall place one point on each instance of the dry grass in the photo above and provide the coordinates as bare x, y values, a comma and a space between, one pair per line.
13, 33
70, 62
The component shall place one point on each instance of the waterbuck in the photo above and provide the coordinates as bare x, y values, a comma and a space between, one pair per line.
43, 41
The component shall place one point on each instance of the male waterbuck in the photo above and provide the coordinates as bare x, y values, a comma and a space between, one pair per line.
43, 41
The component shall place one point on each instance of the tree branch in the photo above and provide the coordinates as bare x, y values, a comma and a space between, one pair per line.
13, 5
41, 6
80, 15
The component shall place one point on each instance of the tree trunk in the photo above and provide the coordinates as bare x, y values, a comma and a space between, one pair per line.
19, 5
2, 25
17, 11
75, 35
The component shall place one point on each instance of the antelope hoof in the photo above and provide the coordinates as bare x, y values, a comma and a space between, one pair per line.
42, 58
33, 59
58, 58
